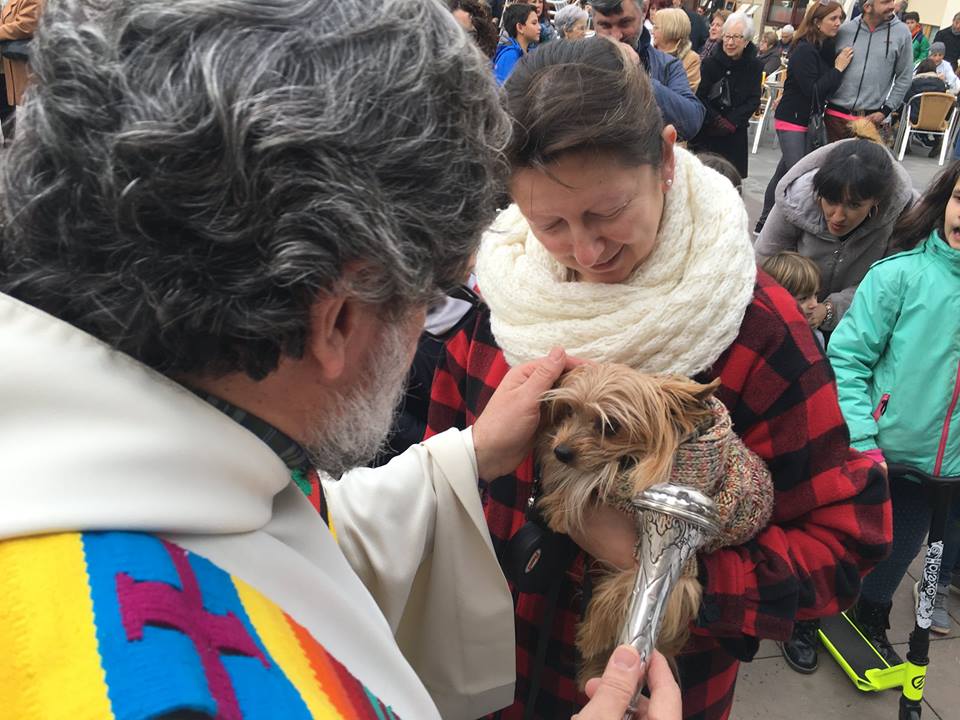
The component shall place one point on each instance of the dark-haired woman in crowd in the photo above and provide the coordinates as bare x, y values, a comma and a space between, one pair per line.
611, 250
474, 18
730, 89
838, 206
547, 31
816, 70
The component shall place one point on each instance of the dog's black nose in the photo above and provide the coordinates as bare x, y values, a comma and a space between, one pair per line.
564, 453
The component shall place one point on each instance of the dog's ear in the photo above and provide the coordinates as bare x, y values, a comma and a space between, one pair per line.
687, 400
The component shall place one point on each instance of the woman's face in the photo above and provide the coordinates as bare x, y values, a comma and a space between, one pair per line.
845, 217
538, 6
593, 215
830, 25
735, 41
951, 218
716, 28
578, 31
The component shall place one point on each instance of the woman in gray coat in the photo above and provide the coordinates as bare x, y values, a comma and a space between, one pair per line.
838, 206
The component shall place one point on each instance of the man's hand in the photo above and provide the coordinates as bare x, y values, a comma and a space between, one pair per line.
610, 695
503, 434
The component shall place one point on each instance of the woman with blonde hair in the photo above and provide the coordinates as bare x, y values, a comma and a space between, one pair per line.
671, 33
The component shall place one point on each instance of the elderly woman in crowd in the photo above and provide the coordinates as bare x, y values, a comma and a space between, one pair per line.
716, 30
768, 52
671, 33
612, 250
571, 22
730, 85
838, 206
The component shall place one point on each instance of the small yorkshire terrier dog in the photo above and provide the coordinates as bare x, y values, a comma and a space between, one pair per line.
610, 432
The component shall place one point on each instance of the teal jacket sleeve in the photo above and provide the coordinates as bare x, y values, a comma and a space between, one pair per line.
857, 345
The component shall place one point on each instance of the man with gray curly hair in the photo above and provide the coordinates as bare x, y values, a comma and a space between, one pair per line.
222, 221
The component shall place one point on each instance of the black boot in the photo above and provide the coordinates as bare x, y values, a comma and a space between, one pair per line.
874, 621
800, 651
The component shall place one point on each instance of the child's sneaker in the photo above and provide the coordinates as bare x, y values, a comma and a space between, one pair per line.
940, 619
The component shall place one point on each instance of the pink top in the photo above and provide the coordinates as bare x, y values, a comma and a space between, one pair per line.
837, 113
789, 127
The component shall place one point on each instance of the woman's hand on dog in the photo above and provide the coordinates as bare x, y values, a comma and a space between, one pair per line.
610, 695
503, 434
609, 535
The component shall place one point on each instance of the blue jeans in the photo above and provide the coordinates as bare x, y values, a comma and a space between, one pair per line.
956, 149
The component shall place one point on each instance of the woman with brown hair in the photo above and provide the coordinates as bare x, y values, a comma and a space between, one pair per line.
816, 70
671, 33
622, 247
716, 30
474, 17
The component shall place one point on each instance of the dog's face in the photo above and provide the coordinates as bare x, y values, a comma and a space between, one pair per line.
610, 430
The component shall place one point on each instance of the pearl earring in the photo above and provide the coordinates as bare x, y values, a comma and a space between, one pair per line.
670, 183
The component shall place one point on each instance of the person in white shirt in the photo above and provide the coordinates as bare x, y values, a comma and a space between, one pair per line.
947, 74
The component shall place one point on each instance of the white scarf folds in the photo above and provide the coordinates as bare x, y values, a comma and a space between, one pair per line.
676, 314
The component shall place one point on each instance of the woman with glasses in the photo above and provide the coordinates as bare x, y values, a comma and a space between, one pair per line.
730, 80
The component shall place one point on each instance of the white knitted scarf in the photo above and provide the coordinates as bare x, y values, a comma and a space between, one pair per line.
676, 314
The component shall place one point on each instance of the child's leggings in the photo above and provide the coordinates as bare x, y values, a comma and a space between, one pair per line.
911, 523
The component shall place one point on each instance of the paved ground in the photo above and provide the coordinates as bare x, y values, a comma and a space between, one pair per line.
767, 688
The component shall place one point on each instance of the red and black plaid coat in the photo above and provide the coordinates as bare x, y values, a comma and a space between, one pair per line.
831, 520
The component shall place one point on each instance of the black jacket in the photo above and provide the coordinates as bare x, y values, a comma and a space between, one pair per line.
743, 77
951, 43
809, 67
925, 82
699, 32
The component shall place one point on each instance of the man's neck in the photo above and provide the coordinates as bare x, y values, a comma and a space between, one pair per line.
873, 21
522, 42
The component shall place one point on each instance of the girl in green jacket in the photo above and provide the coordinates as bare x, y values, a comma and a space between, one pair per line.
896, 355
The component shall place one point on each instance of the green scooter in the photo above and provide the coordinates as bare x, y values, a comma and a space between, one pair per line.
854, 652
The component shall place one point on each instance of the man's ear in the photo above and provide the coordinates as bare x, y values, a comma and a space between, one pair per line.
333, 318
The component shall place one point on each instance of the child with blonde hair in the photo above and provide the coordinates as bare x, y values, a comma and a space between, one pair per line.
800, 277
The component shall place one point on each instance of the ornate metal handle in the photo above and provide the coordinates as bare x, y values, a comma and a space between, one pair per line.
674, 521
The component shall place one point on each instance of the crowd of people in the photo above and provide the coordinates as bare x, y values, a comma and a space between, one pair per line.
236, 237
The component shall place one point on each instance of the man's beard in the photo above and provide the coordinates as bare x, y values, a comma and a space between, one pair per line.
355, 426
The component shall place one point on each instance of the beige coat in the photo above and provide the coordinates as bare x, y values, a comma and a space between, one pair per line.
18, 21
691, 64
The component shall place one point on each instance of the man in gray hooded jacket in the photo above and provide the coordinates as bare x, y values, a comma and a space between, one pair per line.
882, 59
